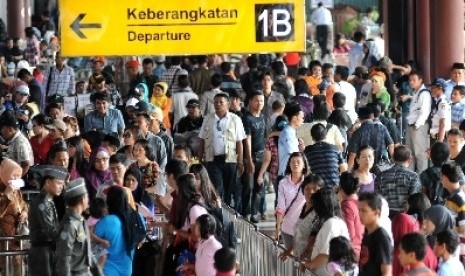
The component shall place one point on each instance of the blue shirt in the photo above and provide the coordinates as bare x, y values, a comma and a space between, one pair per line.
452, 267
458, 112
112, 121
118, 261
287, 144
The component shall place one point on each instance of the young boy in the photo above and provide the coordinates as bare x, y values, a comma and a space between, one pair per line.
451, 174
412, 251
225, 262
376, 253
446, 244
278, 109
458, 105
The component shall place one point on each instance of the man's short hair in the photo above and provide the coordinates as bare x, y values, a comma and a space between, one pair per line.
176, 167
318, 132
146, 61
313, 63
359, 36
460, 88
22, 73
291, 110
402, 154
254, 93
373, 200
118, 158
343, 71
225, 67
225, 259
176, 60
252, 62
100, 96
276, 105
452, 171
327, 66
184, 148
439, 154
183, 81
449, 238
302, 71
339, 100
222, 95
417, 73
416, 243
215, 80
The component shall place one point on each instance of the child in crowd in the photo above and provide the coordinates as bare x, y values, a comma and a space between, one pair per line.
341, 257
225, 262
162, 101
458, 105
97, 210
376, 254
412, 251
81, 87
447, 242
278, 109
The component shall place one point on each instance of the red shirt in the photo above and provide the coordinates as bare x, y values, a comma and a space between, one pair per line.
225, 274
41, 150
352, 218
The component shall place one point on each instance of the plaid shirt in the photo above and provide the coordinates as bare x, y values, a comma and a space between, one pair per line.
61, 83
458, 112
365, 136
31, 53
168, 76
396, 185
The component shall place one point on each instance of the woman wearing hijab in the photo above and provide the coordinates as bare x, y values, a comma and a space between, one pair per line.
120, 229
99, 171
13, 209
162, 101
436, 219
379, 94
134, 181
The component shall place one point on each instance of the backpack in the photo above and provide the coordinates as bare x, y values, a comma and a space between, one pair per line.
281, 87
433, 106
226, 232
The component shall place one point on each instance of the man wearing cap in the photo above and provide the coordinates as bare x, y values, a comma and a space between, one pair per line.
73, 255
180, 99
97, 83
18, 105
57, 130
440, 111
221, 135
36, 90
417, 138
98, 63
193, 120
59, 79
369, 133
104, 118
457, 77
43, 221
17, 145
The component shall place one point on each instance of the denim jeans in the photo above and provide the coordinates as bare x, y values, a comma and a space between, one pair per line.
251, 191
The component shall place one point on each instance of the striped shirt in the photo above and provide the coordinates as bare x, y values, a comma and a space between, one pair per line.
324, 160
61, 82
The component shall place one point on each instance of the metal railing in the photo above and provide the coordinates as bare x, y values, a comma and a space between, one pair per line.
8, 255
258, 253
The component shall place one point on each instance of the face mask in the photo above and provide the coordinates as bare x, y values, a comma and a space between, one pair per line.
16, 183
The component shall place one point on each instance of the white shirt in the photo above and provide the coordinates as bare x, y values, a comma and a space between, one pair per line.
333, 136
351, 98
443, 111
420, 108
204, 256
322, 16
180, 99
219, 129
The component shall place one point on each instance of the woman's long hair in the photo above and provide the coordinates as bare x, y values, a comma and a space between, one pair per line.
208, 192
187, 197
81, 163
326, 204
118, 205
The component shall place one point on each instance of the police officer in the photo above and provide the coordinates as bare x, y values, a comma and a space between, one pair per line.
440, 111
43, 221
73, 242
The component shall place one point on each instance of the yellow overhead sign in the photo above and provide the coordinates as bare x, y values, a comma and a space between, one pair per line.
143, 27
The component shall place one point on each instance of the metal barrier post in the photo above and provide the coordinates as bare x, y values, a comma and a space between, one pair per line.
10, 254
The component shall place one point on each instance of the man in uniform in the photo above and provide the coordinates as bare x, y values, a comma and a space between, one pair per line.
43, 222
73, 242
440, 111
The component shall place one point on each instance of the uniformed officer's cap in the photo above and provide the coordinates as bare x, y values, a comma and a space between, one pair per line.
55, 172
75, 188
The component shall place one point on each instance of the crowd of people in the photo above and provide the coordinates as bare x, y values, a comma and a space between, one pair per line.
365, 162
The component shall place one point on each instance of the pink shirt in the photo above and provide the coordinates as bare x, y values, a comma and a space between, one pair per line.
204, 256
287, 191
195, 212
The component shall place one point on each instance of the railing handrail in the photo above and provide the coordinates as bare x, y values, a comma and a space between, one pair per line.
9, 253
14, 238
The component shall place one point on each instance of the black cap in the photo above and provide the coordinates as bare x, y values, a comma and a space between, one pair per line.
458, 65
193, 103
141, 107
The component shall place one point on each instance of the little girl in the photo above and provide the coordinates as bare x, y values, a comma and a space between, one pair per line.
97, 210
341, 260
162, 101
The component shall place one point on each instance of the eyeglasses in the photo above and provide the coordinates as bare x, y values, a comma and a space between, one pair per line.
218, 127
